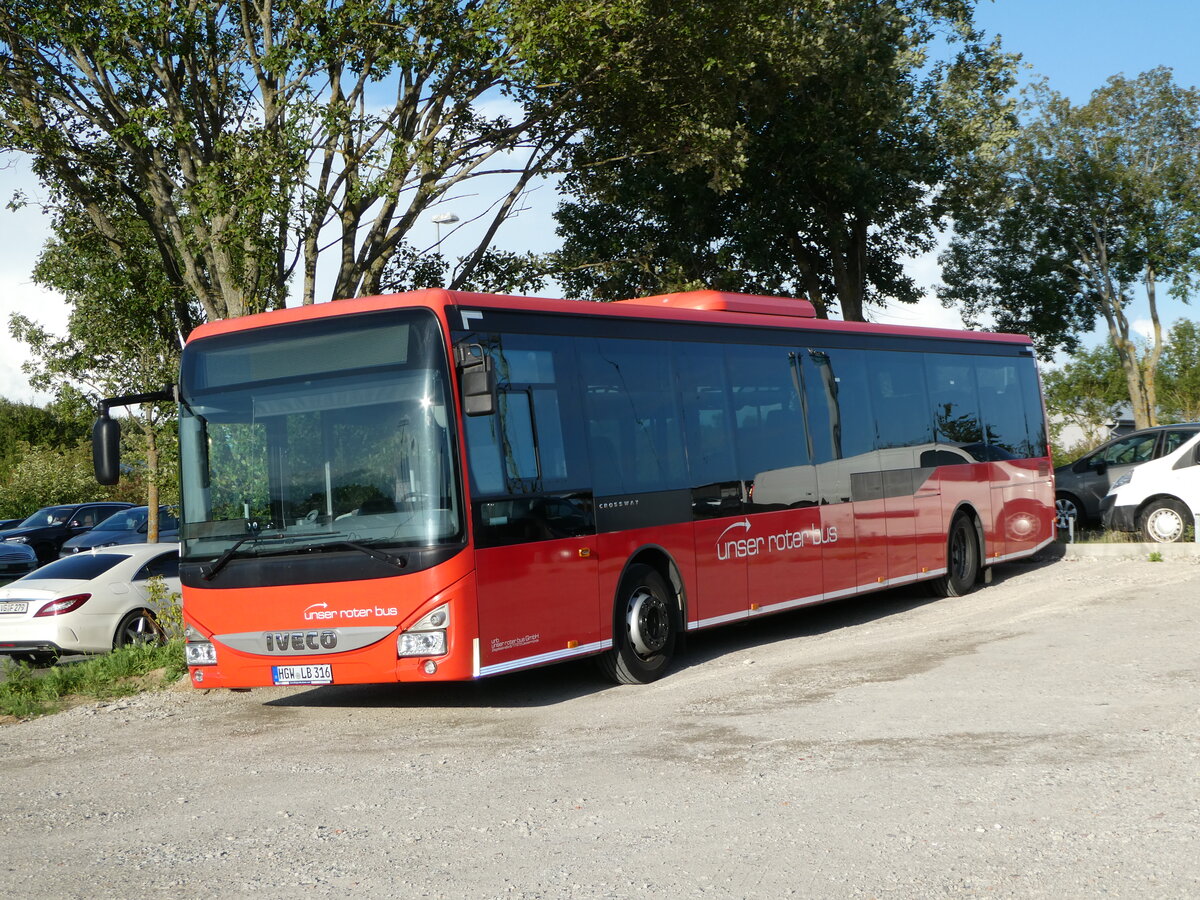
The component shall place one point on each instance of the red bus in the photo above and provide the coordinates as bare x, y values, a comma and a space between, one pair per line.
440, 485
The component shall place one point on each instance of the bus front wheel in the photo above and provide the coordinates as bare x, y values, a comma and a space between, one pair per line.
962, 560
644, 628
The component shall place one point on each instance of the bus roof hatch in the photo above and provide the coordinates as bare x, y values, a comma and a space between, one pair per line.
720, 301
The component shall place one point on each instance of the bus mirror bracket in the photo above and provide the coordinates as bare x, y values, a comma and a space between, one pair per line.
478, 380
106, 432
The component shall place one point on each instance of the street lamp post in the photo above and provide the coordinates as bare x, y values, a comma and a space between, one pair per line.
443, 219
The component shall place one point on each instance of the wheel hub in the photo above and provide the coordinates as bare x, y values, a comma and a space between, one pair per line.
1165, 525
649, 622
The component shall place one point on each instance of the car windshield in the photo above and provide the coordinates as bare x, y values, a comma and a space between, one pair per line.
51, 515
125, 520
333, 430
81, 567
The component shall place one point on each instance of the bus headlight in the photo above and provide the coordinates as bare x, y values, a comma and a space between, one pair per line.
428, 636
198, 650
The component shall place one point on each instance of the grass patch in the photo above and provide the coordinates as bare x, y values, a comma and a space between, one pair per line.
1100, 536
27, 692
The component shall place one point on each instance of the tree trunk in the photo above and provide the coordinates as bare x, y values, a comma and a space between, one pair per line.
152, 487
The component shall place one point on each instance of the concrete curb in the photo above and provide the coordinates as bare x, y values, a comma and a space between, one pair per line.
1189, 550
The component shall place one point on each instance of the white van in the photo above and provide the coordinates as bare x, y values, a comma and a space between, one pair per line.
1159, 498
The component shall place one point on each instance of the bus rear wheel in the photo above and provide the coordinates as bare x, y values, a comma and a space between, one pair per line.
962, 560
644, 628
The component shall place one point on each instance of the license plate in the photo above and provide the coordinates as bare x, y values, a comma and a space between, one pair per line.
14, 606
310, 674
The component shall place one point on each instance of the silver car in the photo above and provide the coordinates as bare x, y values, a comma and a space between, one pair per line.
1080, 486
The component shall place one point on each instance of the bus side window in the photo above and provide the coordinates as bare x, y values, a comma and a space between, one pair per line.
528, 445
632, 416
955, 402
898, 397
769, 431
839, 414
1002, 406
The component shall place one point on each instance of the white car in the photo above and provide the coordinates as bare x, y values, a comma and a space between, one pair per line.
1159, 498
86, 603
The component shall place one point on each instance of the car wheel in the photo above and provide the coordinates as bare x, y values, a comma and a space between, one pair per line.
644, 628
962, 560
138, 627
1165, 521
1066, 508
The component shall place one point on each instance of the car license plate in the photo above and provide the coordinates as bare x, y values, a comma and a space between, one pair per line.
311, 674
14, 606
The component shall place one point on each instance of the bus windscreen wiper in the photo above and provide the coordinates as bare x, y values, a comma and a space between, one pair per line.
221, 561
400, 562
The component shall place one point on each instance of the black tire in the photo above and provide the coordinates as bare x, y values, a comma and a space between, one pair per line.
1165, 521
962, 560
645, 628
138, 627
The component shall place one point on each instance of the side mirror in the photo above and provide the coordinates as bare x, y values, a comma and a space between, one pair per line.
1100, 466
106, 449
478, 380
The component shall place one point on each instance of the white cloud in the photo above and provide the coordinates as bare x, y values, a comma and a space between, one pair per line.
25, 231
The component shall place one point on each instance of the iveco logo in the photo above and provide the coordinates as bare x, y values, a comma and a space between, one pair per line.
293, 641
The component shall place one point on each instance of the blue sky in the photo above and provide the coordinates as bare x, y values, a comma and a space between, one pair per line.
1076, 44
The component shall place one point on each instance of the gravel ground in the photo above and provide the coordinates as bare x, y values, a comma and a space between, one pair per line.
1037, 738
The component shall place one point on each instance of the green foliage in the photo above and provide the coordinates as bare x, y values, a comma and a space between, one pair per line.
118, 674
1090, 388
845, 144
1179, 374
1096, 199
23, 425
1156, 556
249, 140
1085, 393
46, 476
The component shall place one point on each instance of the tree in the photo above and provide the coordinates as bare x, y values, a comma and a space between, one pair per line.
249, 137
1086, 392
25, 425
852, 146
123, 334
45, 476
1097, 199
1179, 374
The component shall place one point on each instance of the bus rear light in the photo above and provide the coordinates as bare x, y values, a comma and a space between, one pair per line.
198, 650
63, 605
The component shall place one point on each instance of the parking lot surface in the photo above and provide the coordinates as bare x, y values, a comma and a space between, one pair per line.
1037, 738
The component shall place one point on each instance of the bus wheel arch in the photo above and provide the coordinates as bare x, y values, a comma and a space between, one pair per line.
965, 554
648, 617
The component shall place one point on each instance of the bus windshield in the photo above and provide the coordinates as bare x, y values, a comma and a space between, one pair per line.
316, 434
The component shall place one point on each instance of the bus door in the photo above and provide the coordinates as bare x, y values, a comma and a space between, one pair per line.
718, 494
903, 425
783, 541
962, 452
532, 512
850, 486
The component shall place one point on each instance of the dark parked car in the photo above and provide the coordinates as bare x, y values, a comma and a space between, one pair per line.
129, 526
16, 560
47, 529
6, 524
1080, 486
